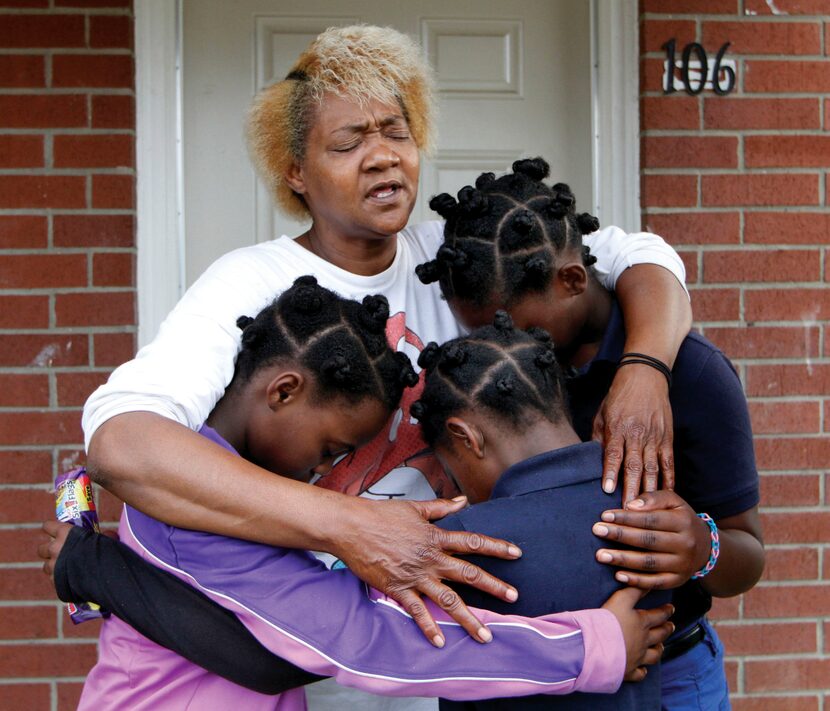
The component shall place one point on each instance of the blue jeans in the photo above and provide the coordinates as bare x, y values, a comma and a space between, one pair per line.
696, 681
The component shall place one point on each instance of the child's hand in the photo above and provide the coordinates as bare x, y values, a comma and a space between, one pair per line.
675, 543
644, 631
634, 425
51, 549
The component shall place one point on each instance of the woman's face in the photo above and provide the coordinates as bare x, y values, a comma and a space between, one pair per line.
359, 176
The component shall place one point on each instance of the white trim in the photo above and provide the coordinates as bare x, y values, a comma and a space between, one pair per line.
159, 182
616, 112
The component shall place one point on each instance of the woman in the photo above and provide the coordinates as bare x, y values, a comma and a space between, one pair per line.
340, 141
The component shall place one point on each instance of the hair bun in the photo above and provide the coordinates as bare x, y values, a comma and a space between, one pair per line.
428, 357
471, 201
505, 385
587, 223
376, 311
537, 268
563, 195
534, 168
337, 368
452, 256
306, 280
539, 334
502, 321
407, 376
545, 359
455, 354
587, 258
485, 179
244, 321
418, 410
429, 272
306, 295
444, 204
523, 222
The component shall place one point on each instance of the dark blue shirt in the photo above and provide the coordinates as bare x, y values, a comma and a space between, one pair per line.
713, 451
547, 505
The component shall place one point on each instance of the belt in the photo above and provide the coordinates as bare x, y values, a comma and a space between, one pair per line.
683, 643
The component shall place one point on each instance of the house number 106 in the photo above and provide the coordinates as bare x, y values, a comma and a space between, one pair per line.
698, 70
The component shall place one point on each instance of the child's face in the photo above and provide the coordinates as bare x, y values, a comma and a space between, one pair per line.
307, 437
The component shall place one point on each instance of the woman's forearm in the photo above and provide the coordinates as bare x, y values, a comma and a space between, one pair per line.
656, 311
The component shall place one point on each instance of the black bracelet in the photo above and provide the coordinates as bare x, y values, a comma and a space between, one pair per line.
643, 359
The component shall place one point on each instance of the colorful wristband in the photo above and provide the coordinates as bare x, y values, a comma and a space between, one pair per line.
713, 556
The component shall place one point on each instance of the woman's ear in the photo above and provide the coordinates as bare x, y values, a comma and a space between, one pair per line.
573, 277
295, 178
466, 435
285, 389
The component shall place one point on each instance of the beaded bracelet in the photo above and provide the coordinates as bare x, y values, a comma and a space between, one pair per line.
713, 556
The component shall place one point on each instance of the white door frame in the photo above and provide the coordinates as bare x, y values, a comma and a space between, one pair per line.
159, 157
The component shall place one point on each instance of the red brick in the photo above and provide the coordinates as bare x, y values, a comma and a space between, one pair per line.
69, 696
789, 7
748, 37
93, 231
46, 31
786, 76
788, 601
24, 3
669, 190
75, 388
25, 584
26, 505
696, 227
725, 608
799, 304
42, 271
42, 111
113, 349
690, 263
113, 192
21, 151
666, 112
739, 113
791, 564
95, 309
761, 266
22, 70
787, 227
756, 639
20, 546
70, 458
47, 660
26, 621
655, 33
24, 390
783, 674
115, 151
788, 379
23, 466
715, 304
113, 269
764, 341
690, 7
786, 151
651, 75
88, 630
792, 453
774, 703
93, 3
115, 31
23, 231
103, 70
26, 696
785, 417
801, 527
115, 111
42, 191
43, 351
51, 427
760, 189
24, 311
689, 152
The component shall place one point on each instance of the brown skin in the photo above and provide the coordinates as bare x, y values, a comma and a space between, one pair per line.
575, 309
182, 479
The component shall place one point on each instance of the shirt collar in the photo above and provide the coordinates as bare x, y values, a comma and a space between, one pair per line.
550, 470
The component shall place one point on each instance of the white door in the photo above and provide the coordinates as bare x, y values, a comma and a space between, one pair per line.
514, 80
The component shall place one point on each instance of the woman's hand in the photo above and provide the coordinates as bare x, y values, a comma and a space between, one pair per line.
675, 543
634, 425
644, 631
50, 550
393, 547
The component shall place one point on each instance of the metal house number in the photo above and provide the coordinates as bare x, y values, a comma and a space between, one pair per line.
696, 74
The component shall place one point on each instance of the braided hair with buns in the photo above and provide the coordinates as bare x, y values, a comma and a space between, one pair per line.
503, 236
513, 374
340, 341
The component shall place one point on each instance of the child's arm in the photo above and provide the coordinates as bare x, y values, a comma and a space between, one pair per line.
634, 422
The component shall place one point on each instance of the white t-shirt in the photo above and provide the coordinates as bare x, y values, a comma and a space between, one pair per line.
183, 372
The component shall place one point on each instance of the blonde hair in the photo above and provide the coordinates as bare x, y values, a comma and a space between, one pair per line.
361, 63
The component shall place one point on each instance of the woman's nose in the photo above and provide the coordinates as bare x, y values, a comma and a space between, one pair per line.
381, 157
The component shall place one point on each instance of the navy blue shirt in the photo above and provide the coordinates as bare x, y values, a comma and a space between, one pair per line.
547, 505
713, 452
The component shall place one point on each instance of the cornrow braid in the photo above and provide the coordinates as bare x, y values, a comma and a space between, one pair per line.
513, 374
503, 236
340, 341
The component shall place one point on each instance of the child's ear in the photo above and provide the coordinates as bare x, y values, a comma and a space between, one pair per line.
573, 277
295, 178
285, 389
467, 435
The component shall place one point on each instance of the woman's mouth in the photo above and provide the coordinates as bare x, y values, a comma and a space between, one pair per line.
385, 191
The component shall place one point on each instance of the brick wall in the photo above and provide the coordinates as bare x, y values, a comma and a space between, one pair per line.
67, 298
740, 184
